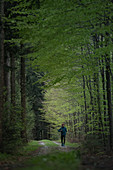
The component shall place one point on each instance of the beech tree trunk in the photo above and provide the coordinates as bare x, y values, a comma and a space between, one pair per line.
1, 67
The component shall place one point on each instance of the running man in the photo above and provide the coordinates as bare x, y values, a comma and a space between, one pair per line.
63, 131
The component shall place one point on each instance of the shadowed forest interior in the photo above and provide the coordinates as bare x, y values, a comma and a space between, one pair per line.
56, 66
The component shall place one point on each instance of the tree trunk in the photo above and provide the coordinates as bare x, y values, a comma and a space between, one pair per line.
7, 82
90, 89
104, 99
1, 67
23, 100
99, 107
85, 105
12, 86
108, 89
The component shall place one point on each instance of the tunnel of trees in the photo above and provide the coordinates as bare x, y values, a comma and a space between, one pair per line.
56, 66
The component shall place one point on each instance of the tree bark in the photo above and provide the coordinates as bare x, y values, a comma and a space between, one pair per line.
7, 82
108, 89
90, 89
104, 98
1, 67
12, 86
85, 105
23, 100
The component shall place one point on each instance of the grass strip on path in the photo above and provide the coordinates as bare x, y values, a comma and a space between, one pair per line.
48, 142
70, 144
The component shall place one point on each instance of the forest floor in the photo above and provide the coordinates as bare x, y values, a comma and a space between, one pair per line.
49, 155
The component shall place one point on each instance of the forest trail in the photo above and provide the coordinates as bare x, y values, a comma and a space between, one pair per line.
49, 153
48, 156
49, 149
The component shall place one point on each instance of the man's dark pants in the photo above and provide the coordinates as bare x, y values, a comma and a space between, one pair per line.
63, 139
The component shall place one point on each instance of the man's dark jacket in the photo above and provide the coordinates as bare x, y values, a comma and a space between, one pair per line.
63, 131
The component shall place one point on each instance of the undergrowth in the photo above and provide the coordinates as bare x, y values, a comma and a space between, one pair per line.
23, 151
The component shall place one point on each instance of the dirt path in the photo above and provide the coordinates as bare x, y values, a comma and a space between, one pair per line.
46, 149
57, 143
43, 150
88, 163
